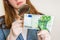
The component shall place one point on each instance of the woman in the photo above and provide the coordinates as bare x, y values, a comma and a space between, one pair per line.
13, 30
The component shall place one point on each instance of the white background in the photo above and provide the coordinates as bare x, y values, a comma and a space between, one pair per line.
50, 7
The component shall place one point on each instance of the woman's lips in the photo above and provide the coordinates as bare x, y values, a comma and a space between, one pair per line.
19, 3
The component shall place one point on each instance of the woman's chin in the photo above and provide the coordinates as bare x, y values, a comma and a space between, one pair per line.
17, 7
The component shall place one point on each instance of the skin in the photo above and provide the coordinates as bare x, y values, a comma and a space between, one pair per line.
16, 4
17, 28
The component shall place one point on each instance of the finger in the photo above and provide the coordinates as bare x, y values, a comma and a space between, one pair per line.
39, 37
43, 32
39, 33
17, 21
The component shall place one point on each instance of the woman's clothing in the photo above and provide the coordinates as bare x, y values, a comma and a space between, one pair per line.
31, 34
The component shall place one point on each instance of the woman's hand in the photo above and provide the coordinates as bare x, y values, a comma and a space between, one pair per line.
43, 35
15, 30
17, 27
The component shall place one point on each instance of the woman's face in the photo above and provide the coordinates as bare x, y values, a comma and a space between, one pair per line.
17, 3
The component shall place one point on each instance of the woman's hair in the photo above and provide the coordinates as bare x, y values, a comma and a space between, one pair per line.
10, 13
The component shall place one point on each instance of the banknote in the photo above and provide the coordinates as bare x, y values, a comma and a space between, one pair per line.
38, 22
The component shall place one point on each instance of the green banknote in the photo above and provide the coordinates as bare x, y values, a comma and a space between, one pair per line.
38, 22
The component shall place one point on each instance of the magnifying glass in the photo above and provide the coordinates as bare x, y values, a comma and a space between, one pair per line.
25, 9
